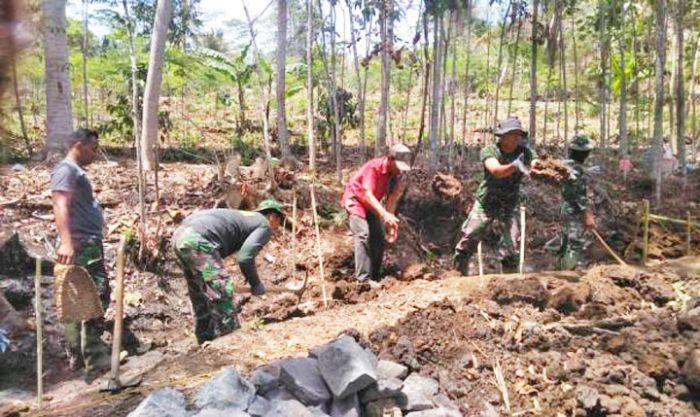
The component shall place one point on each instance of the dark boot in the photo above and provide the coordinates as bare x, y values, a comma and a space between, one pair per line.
461, 263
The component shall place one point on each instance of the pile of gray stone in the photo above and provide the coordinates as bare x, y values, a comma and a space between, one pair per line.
340, 379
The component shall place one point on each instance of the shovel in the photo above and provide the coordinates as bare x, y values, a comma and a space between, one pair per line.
115, 384
299, 292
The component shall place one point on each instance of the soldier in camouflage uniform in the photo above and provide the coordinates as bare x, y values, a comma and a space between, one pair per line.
505, 164
576, 214
202, 242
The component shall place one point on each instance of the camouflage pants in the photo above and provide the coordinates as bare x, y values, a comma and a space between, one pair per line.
573, 237
84, 339
474, 230
209, 285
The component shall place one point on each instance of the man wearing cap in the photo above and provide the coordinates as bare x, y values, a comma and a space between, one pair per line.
201, 243
376, 180
576, 213
505, 164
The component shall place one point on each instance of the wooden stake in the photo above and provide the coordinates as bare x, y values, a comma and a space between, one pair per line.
319, 253
608, 248
114, 382
294, 236
688, 231
522, 239
39, 335
645, 219
479, 255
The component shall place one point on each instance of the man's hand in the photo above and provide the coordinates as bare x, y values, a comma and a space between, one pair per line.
589, 221
390, 221
66, 253
392, 233
519, 164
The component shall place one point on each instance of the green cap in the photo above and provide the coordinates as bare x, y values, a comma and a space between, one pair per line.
271, 204
581, 143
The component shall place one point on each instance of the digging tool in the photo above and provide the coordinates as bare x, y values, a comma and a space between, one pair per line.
299, 292
115, 384
39, 336
608, 248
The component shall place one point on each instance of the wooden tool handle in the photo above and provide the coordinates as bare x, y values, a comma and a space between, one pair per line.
118, 311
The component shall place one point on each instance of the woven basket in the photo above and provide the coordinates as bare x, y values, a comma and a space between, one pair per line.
75, 294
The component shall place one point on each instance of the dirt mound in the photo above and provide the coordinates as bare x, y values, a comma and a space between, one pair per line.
595, 349
445, 185
551, 171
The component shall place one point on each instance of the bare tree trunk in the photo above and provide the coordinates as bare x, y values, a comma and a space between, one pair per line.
602, 92
436, 100
577, 102
500, 61
310, 87
83, 52
380, 144
660, 14
137, 125
692, 93
426, 83
18, 102
59, 115
468, 51
451, 88
337, 140
635, 85
565, 90
356, 62
151, 94
672, 78
265, 98
622, 121
533, 73
281, 79
680, 85
515, 64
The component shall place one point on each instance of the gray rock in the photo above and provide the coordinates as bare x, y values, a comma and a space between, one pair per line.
435, 412
691, 371
165, 402
301, 377
442, 401
489, 411
587, 397
347, 407
266, 378
215, 412
417, 393
320, 410
278, 394
289, 408
390, 369
372, 358
384, 388
227, 390
382, 408
346, 367
259, 406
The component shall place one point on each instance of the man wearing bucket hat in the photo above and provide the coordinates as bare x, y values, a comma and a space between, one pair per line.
372, 222
506, 162
201, 243
576, 213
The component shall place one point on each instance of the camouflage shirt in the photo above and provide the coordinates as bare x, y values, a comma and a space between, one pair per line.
574, 193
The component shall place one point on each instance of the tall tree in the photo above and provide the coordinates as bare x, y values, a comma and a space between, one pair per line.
604, 47
281, 78
387, 47
533, 72
151, 93
500, 60
622, 121
356, 64
310, 86
59, 112
83, 52
680, 86
436, 99
660, 14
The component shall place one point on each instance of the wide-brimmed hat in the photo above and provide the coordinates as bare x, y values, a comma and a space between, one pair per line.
401, 154
581, 143
511, 124
270, 204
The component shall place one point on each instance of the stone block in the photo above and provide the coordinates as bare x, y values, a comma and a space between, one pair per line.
227, 390
346, 367
301, 377
165, 402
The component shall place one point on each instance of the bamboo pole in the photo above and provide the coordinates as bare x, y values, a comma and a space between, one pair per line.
645, 219
114, 382
318, 245
688, 231
522, 239
608, 248
684, 222
39, 335
294, 235
480, 256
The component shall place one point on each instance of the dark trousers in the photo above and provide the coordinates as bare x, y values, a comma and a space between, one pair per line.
368, 240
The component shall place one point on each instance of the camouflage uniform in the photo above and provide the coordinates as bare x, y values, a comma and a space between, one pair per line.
573, 210
495, 208
84, 339
210, 287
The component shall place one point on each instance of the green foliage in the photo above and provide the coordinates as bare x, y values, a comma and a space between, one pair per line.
246, 147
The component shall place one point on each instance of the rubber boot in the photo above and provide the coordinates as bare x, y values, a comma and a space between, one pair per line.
461, 264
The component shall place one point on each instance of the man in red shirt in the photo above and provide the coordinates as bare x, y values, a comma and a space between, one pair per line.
362, 199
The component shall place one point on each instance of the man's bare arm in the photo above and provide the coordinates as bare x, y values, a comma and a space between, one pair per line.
499, 170
61, 206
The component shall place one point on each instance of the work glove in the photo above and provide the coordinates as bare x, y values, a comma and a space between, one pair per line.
4, 340
519, 163
569, 164
595, 169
